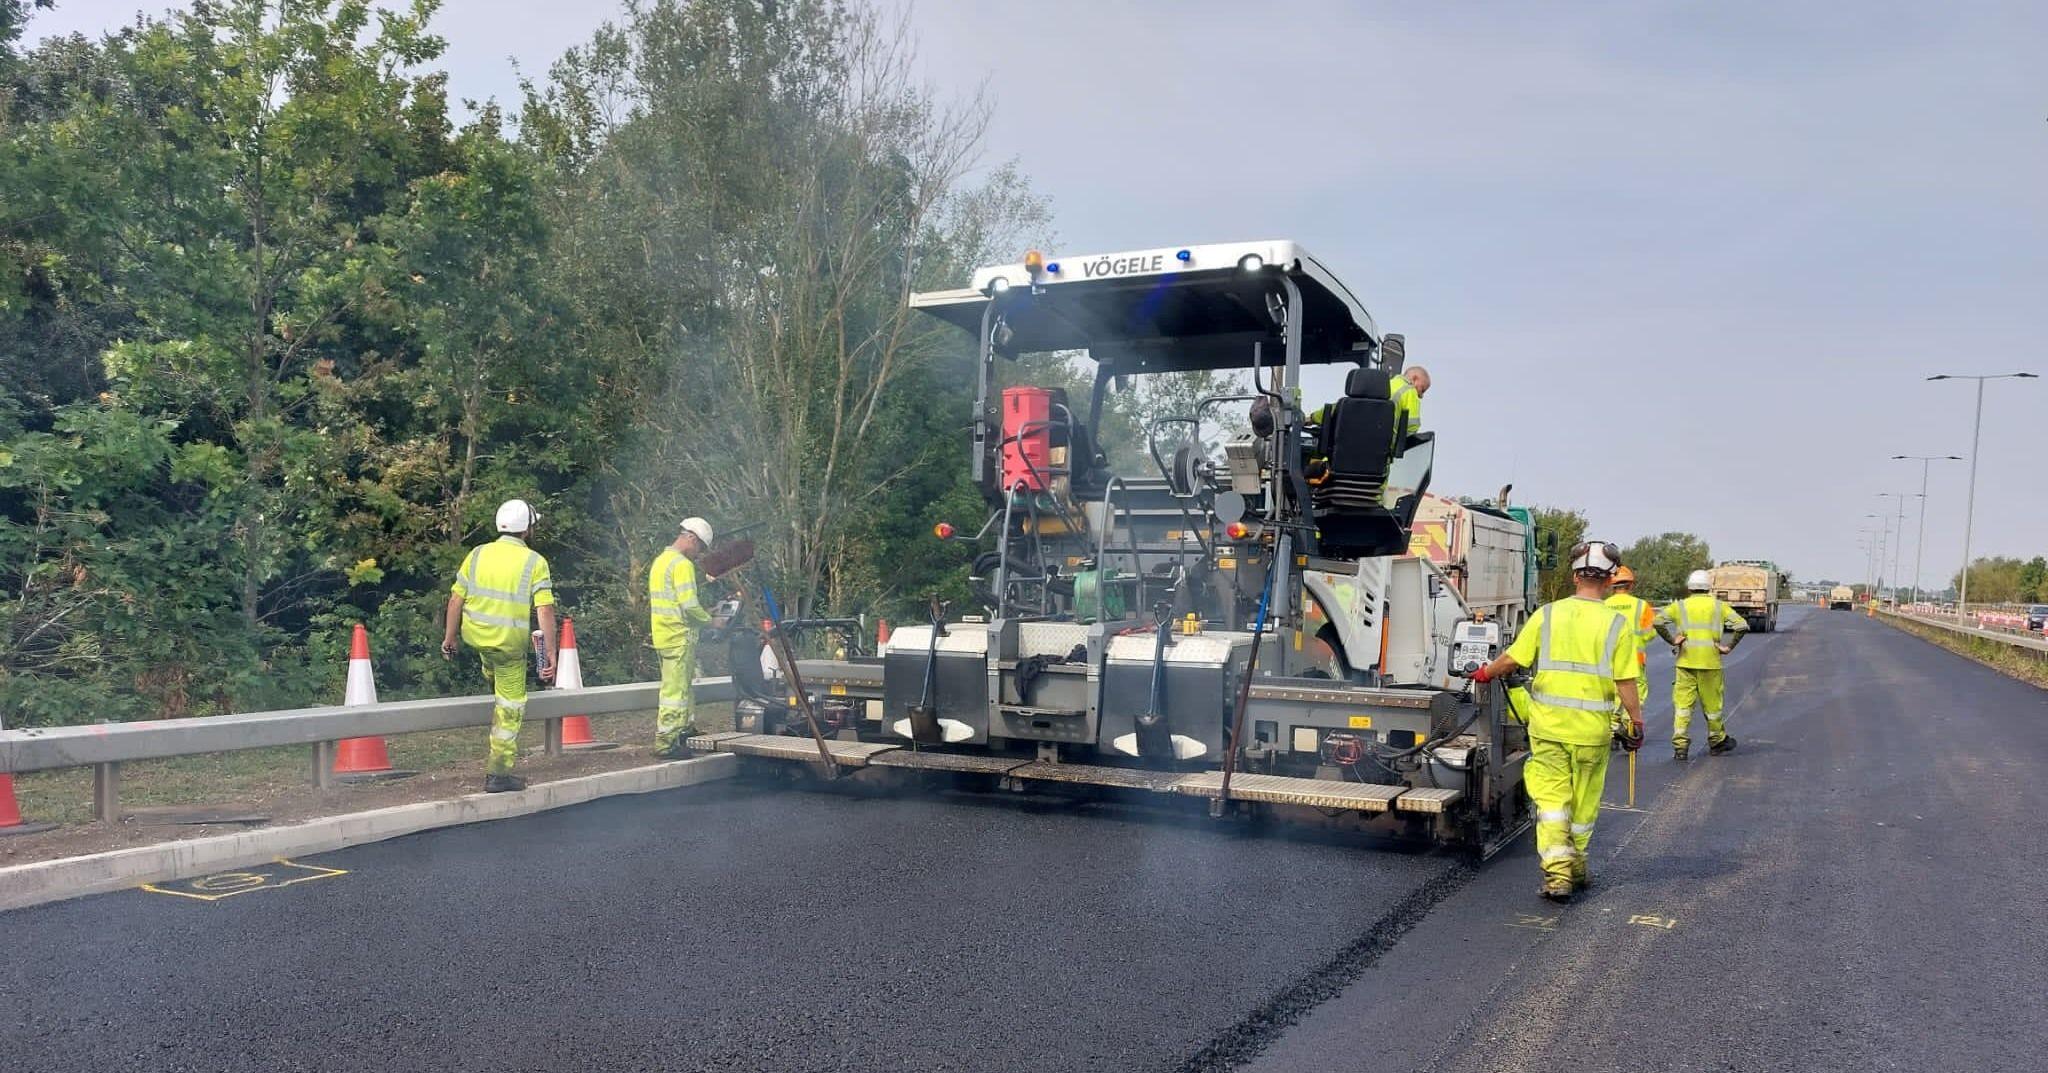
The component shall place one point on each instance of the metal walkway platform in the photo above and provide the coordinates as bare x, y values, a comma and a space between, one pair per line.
785, 747
1430, 800
1284, 790
1095, 775
927, 760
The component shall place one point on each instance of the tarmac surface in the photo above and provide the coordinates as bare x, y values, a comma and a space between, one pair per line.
1856, 887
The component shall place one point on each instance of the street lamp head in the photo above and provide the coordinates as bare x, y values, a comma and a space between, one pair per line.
2026, 376
1941, 376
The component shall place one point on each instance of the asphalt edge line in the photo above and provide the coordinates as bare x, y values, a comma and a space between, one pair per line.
39, 882
1287, 1007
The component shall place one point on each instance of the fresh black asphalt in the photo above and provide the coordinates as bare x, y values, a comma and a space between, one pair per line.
1856, 888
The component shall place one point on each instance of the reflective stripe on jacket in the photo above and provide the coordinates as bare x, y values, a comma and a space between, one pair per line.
1700, 620
1407, 402
1578, 648
500, 584
1638, 611
672, 603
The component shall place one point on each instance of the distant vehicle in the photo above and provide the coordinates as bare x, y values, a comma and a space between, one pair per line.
2037, 618
1841, 598
1750, 586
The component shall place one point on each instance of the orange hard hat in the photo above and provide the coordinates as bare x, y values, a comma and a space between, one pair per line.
1624, 576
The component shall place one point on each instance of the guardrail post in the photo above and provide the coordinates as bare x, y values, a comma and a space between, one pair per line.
551, 737
323, 764
106, 791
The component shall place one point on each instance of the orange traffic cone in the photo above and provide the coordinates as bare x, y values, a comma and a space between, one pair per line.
11, 822
882, 633
362, 759
575, 728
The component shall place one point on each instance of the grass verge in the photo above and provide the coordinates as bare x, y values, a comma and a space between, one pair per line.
2026, 664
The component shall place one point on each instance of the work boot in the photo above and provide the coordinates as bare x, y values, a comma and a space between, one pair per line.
1678, 755
1582, 879
1557, 890
1725, 745
498, 784
679, 751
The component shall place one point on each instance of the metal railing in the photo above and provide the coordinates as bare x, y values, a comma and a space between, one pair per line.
104, 747
2035, 642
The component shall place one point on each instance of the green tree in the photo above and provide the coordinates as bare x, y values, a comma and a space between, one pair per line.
1557, 529
1662, 562
1993, 580
2033, 580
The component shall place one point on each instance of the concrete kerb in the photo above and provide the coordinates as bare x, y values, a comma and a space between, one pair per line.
99, 873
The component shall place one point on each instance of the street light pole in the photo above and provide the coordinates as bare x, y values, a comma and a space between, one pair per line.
1970, 510
1920, 542
1898, 546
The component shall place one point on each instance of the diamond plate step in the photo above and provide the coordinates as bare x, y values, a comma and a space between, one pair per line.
1434, 800
926, 760
1124, 777
787, 747
708, 743
1285, 790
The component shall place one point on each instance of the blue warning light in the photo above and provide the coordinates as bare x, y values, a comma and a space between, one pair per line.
1184, 255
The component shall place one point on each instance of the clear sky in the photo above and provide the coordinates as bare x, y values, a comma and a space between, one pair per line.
1681, 265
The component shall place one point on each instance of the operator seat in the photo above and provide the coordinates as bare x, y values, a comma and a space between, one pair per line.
1358, 444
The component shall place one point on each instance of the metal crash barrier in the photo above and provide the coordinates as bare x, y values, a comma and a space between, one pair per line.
104, 747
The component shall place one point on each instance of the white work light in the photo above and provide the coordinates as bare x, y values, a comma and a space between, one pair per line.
1251, 262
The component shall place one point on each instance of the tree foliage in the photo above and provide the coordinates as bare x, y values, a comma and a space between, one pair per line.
2003, 580
1661, 563
1557, 529
278, 333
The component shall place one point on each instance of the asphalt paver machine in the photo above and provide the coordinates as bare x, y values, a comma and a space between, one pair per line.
1121, 611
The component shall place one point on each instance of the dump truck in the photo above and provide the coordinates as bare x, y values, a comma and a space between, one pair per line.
1841, 598
1750, 586
1486, 548
1249, 628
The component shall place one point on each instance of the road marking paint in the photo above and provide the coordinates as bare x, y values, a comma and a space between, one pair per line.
212, 888
1534, 922
1667, 923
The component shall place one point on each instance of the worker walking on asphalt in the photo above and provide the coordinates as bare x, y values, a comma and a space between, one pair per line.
1583, 653
1695, 627
1642, 618
677, 617
497, 592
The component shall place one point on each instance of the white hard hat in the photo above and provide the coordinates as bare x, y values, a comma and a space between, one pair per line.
1596, 555
1698, 581
515, 516
698, 527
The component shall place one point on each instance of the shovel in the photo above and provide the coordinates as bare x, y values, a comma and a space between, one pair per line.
924, 715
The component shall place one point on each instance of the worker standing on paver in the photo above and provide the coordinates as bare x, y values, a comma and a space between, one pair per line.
1643, 619
1701, 629
1583, 654
1405, 389
497, 592
677, 617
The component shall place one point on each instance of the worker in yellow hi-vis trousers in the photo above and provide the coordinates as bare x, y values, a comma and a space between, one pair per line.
497, 591
677, 617
1702, 629
1642, 618
1584, 657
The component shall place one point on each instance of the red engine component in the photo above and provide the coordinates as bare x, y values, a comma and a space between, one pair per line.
1343, 750
1027, 438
